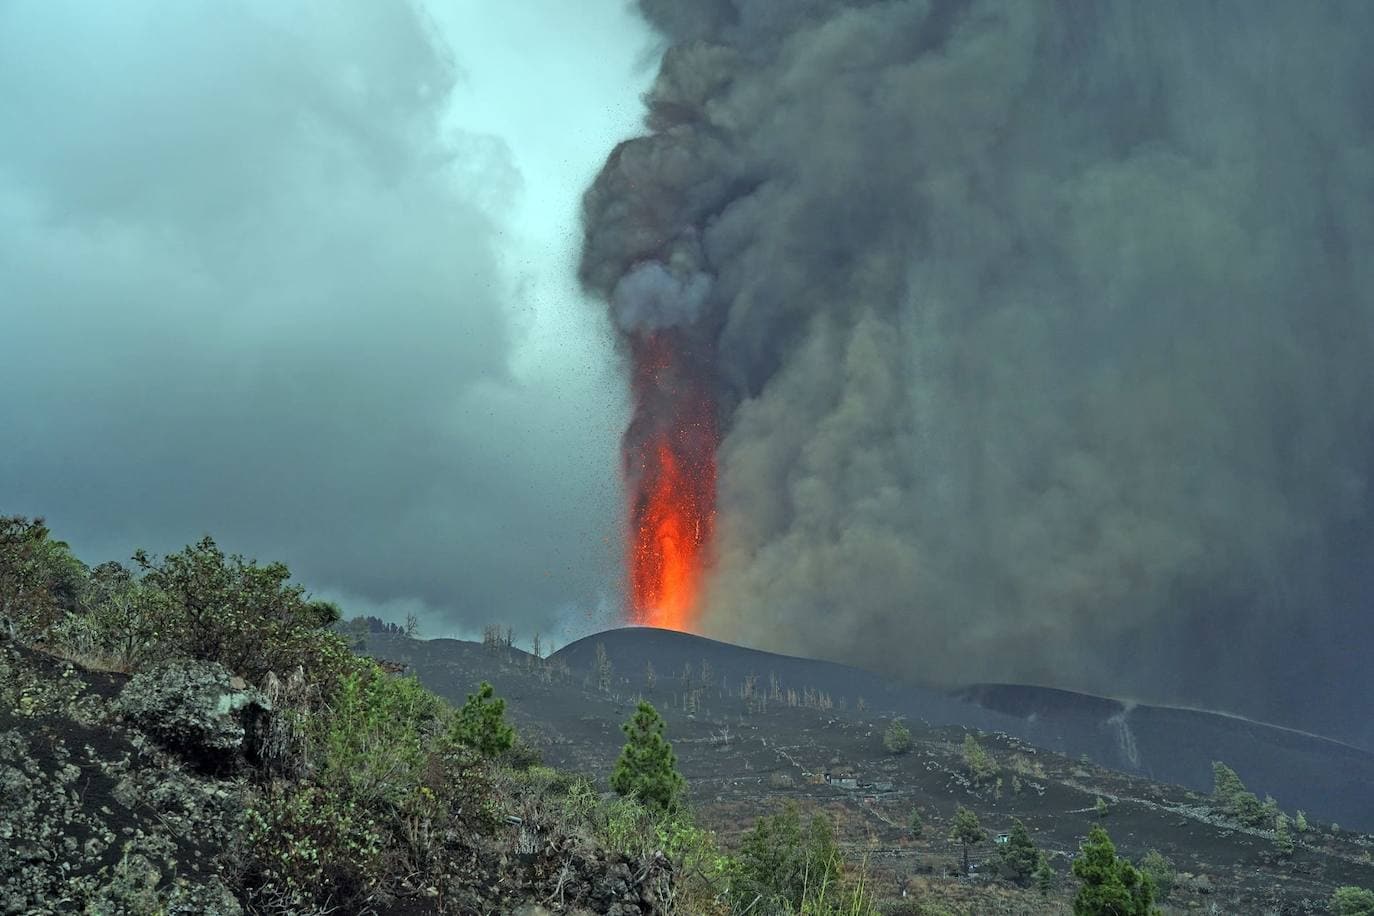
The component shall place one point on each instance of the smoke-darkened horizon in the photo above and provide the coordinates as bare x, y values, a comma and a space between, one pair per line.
1041, 336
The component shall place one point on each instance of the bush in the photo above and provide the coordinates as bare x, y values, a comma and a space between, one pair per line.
647, 767
1352, 901
1111, 885
303, 845
897, 738
374, 737
234, 611
786, 867
1160, 871
981, 766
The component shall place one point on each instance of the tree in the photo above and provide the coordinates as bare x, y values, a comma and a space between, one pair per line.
1235, 801
897, 738
915, 823
1019, 857
1044, 876
1352, 901
1100, 806
25, 594
1300, 821
980, 764
1283, 836
481, 723
966, 831
245, 615
1111, 885
785, 867
1160, 871
647, 768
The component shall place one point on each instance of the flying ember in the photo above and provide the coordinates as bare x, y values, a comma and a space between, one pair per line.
670, 470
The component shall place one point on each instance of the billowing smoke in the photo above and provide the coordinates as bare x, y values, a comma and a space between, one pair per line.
1040, 335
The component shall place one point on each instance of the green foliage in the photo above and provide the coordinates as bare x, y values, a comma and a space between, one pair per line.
247, 616
1351, 901
1160, 871
785, 866
647, 768
1018, 857
375, 737
1044, 877
1283, 836
981, 767
31, 574
965, 830
303, 844
1111, 886
1235, 802
1100, 807
481, 723
897, 738
1300, 821
915, 823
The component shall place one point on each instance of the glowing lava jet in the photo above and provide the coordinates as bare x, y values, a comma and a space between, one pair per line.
670, 472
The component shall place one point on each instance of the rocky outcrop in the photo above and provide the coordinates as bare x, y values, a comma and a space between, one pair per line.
195, 709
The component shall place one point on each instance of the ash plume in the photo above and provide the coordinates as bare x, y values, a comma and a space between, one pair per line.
1041, 335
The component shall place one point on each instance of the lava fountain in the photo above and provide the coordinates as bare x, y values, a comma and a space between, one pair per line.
670, 473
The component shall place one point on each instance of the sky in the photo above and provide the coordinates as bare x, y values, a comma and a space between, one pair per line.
300, 277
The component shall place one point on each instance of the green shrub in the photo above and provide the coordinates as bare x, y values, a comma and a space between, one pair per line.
248, 617
374, 738
1352, 901
303, 845
1160, 871
897, 738
981, 767
783, 866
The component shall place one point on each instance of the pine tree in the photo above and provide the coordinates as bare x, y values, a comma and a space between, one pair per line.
481, 723
1019, 857
966, 831
1111, 885
647, 768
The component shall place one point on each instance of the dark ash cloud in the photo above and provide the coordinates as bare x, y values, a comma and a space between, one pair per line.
1043, 334
253, 287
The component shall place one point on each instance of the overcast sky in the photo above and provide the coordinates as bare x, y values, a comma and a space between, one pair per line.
300, 277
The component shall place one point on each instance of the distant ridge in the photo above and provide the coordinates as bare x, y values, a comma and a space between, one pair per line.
1329, 779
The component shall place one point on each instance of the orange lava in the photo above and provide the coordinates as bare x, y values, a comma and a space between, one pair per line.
671, 474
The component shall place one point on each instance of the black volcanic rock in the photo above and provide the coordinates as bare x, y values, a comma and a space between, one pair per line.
1328, 779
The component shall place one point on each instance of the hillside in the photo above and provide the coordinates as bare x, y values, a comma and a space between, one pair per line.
745, 755
1326, 778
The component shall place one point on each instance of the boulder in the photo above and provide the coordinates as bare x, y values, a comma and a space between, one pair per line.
195, 710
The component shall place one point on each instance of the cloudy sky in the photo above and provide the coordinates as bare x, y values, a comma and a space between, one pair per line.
300, 277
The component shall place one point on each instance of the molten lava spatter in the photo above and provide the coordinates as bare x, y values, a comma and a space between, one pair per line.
671, 474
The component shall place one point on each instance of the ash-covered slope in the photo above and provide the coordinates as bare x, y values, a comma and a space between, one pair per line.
1328, 779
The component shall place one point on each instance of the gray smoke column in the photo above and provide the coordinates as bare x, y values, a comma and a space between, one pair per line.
1041, 334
